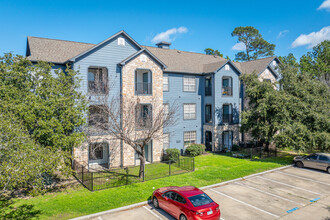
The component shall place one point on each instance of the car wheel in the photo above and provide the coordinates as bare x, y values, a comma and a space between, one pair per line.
328, 169
155, 202
183, 217
299, 164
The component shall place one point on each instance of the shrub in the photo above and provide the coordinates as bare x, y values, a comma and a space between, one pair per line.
195, 149
172, 154
235, 147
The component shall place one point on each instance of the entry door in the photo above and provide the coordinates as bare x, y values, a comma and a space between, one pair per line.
228, 139
208, 140
98, 153
147, 154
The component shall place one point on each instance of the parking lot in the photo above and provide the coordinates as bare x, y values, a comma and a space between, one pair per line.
289, 193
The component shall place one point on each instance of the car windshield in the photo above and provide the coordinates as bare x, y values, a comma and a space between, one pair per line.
199, 200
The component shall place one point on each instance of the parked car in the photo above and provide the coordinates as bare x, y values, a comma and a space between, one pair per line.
185, 203
319, 161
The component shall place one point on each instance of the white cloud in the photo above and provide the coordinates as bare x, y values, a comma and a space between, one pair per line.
169, 35
239, 46
313, 38
282, 33
325, 5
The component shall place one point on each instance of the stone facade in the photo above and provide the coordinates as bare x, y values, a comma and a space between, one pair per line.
217, 134
267, 75
155, 98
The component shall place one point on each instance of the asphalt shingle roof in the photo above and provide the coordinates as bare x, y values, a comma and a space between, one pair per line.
252, 66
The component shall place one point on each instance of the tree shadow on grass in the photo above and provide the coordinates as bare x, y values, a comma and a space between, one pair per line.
9, 211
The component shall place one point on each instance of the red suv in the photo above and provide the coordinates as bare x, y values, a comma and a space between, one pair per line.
185, 203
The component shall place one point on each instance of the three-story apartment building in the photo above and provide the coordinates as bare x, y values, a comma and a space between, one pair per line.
206, 89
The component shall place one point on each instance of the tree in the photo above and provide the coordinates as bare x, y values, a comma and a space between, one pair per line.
317, 62
210, 51
289, 60
255, 45
40, 116
132, 122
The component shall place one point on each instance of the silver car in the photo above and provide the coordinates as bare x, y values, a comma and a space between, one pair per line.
319, 161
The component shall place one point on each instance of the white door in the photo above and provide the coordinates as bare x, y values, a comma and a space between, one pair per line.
228, 139
98, 153
147, 154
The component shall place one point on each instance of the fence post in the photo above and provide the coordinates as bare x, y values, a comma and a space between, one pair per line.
193, 160
126, 175
179, 160
82, 174
169, 168
251, 153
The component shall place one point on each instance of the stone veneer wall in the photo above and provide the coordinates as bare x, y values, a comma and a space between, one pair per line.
217, 134
128, 92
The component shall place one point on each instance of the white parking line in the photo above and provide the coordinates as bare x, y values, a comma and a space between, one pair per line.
152, 212
269, 193
304, 178
100, 218
276, 216
288, 185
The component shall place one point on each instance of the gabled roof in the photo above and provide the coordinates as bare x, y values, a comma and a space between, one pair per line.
138, 53
183, 61
255, 66
55, 51
106, 40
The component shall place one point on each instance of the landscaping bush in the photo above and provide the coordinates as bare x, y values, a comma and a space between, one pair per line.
195, 149
235, 147
172, 154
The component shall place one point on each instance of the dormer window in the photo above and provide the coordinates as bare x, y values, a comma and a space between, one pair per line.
227, 67
121, 41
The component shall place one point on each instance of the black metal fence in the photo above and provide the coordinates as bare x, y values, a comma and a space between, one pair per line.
254, 152
103, 179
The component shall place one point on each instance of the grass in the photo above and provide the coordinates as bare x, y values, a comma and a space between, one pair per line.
209, 169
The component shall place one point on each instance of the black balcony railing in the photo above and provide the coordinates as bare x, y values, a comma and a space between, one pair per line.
227, 91
227, 118
143, 88
208, 118
208, 91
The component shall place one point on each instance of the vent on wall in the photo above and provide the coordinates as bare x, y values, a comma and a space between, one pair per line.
143, 58
227, 67
121, 41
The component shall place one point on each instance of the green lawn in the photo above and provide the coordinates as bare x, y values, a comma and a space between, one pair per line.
209, 169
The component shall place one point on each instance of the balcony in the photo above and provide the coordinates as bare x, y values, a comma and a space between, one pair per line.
227, 91
208, 91
143, 88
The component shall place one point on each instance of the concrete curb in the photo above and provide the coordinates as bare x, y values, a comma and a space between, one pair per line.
146, 202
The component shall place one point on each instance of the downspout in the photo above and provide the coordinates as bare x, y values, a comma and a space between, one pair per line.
121, 121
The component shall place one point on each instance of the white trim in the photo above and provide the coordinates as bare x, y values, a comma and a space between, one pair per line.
288, 185
152, 212
276, 216
268, 193
304, 178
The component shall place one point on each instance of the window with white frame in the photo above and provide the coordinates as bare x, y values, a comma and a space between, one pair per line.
189, 84
189, 111
166, 141
189, 137
227, 67
166, 109
165, 83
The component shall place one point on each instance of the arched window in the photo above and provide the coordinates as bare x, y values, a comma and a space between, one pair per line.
143, 82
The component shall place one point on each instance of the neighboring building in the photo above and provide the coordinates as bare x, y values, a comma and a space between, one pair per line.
206, 88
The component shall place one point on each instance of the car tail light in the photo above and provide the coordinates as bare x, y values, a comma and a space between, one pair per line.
217, 208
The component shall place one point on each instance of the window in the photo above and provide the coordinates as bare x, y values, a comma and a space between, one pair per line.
227, 67
227, 89
312, 157
121, 41
189, 111
189, 84
143, 82
144, 115
97, 116
323, 158
208, 86
166, 141
165, 83
180, 199
227, 113
189, 138
96, 150
166, 109
208, 113
98, 80
199, 200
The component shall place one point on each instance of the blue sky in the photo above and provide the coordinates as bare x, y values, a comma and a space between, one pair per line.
189, 25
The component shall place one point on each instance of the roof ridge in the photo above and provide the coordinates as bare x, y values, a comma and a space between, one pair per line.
258, 59
60, 40
185, 51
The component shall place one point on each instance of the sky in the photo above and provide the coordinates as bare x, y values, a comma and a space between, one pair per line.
294, 26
